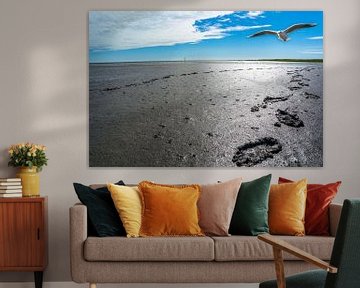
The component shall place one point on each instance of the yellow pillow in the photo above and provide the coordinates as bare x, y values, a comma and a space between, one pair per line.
287, 204
169, 210
127, 201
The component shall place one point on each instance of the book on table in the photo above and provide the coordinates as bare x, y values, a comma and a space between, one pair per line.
9, 188
10, 179
9, 195
10, 191
10, 183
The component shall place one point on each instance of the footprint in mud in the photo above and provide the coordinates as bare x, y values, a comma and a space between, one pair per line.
150, 81
289, 119
254, 109
292, 88
158, 135
268, 99
311, 95
256, 152
303, 84
168, 76
111, 88
131, 85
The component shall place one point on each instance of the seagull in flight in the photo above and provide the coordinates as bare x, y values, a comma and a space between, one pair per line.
283, 34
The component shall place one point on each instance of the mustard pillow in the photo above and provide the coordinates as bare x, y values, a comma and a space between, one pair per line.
169, 210
127, 201
287, 204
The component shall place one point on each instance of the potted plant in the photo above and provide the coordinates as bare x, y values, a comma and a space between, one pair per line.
30, 158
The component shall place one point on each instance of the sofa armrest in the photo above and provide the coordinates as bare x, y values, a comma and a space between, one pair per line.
334, 217
78, 235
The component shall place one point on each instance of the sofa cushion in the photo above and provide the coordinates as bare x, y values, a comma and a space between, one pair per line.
169, 210
102, 216
287, 204
318, 199
149, 249
127, 201
216, 206
250, 215
244, 248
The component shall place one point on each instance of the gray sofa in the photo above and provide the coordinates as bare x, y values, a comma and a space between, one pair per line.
234, 259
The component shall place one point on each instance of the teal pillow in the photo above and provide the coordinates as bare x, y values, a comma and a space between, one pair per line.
250, 216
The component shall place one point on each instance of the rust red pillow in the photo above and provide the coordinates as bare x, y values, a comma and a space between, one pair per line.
319, 197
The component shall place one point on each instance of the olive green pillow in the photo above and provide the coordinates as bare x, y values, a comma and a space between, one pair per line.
250, 216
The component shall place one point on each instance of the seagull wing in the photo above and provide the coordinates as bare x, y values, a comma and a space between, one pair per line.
299, 26
264, 32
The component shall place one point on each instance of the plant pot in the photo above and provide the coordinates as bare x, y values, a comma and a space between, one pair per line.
30, 181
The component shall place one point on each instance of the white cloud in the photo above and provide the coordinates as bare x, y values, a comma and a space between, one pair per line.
251, 15
225, 20
316, 38
121, 30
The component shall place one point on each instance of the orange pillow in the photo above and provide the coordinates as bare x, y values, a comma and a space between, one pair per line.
287, 204
318, 200
169, 210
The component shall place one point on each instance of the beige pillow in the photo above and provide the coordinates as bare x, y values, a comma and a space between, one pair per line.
216, 205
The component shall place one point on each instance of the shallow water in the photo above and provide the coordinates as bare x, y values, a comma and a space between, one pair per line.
172, 114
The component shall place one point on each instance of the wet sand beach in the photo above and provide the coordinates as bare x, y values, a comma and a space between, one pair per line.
206, 114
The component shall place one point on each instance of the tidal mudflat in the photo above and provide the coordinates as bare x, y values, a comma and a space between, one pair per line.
206, 114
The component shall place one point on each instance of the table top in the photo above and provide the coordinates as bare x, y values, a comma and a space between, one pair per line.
23, 199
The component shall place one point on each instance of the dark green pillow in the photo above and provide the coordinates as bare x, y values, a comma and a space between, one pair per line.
102, 215
250, 216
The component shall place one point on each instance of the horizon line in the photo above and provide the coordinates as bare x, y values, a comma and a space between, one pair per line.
212, 60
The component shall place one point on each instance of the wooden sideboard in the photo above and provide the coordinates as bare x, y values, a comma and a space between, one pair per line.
23, 235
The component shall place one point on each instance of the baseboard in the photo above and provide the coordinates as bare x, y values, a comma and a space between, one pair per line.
74, 285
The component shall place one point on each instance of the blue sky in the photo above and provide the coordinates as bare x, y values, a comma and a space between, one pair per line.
127, 36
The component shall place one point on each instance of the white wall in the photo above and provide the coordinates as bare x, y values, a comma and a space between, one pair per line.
44, 98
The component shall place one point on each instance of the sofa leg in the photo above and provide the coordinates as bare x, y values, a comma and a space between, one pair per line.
92, 285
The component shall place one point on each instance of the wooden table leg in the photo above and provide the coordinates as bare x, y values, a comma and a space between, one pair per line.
38, 279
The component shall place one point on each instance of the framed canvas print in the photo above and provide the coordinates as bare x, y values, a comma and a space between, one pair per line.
205, 88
